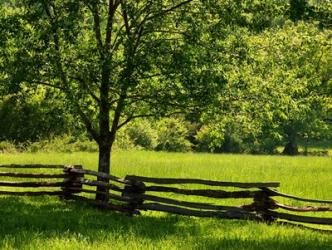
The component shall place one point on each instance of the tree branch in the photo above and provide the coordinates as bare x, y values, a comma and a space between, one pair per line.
112, 7
52, 20
63, 75
117, 115
170, 9
96, 26
48, 85
125, 19
118, 39
88, 124
132, 117
86, 86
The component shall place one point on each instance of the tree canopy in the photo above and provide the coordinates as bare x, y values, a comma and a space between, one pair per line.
114, 60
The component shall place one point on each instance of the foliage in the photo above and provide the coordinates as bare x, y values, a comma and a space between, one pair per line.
70, 144
207, 140
34, 115
172, 135
142, 134
7, 147
279, 90
65, 144
235, 135
124, 142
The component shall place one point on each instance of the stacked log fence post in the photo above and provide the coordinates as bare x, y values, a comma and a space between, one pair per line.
262, 205
134, 190
73, 182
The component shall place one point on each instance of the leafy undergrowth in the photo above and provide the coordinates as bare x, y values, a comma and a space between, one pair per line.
48, 223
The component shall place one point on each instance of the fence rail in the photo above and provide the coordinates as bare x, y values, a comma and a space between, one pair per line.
35, 166
203, 182
133, 194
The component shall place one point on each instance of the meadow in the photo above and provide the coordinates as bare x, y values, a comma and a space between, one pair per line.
48, 223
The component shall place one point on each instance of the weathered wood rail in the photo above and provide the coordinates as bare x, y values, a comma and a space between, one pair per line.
134, 194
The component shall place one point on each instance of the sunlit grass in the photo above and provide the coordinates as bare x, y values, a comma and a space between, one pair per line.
48, 223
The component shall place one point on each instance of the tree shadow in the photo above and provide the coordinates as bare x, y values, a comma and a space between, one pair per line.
270, 244
54, 218
22, 217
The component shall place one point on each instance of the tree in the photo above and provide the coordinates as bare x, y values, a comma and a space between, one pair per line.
115, 60
280, 88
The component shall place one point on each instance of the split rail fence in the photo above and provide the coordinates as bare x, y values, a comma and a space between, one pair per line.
133, 194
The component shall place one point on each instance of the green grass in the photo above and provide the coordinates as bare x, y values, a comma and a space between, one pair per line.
47, 223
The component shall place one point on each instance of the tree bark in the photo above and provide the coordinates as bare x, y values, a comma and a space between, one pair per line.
104, 165
105, 140
291, 148
297, 9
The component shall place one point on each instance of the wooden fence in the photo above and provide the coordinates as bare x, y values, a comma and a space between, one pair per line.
133, 194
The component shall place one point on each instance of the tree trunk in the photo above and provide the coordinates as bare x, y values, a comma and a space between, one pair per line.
291, 148
105, 141
104, 165
297, 9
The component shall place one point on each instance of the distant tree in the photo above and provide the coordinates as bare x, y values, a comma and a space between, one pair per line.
282, 88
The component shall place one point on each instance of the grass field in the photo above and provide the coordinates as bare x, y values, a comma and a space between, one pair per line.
47, 223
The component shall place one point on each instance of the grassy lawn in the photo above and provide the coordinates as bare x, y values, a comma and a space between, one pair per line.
47, 223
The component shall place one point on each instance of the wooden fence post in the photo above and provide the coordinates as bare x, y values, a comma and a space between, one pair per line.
134, 190
262, 205
72, 181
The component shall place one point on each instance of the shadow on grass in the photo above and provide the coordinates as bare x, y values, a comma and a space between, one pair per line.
52, 218
48, 218
270, 244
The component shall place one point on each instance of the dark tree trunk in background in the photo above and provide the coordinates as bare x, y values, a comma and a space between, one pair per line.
297, 9
291, 148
